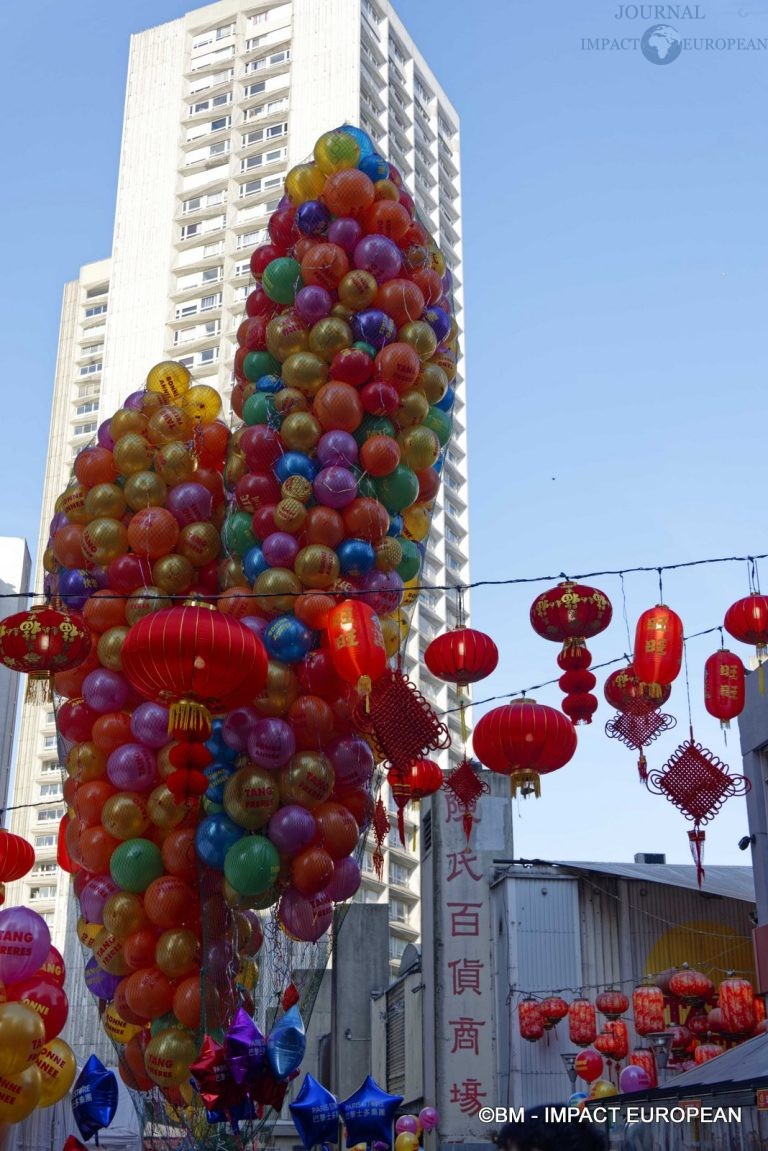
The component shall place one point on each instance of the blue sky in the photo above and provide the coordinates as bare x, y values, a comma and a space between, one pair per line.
615, 255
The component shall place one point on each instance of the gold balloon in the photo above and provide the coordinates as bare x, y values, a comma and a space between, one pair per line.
125, 816
304, 182
108, 950
168, 379
329, 336
447, 361
357, 290
281, 690
110, 646
173, 574
286, 335
88, 933
289, 400
175, 464
342, 313
168, 1056
125, 421
22, 1034
177, 952
317, 566
419, 448
116, 1027
251, 797
124, 913
289, 515
105, 501
72, 503
420, 336
395, 632
152, 402
389, 554
433, 382
296, 488
19, 1094
386, 190
200, 543
306, 373
234, 469
307, 779
231, 574
103, 540
602, 1089
300, 431
50, 563
411, 589
145, 490
58, 1066
163, 809
248, 974
202, 404
276, 589
416, 521
85, 762
145, 601
132, 454
412, 410
169, 423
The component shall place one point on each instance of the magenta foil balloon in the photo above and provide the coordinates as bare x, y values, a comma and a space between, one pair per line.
345, 881
237, 726
291, 829
335, 487
353, 762
337, 449
132, 767
149, 724
24, 943
313, 303
383, 591
105, 690
271, 743
345, 232
280, 549
190, 503
94, 895
305, 919
379, 256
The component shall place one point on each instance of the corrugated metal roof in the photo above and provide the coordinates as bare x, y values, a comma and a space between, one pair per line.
731, 882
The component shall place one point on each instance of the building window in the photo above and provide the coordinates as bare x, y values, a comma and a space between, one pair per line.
50, 814
47, 891
49, 741
88, 390
96, 310
186, 361
92, 349
209, 302
255, 90
84, 409
99, 291
91, 369
399, 875
45, 841
396, 947
276, 130
50, 790
399, 912
219, 149
208, 356
190, 230
51, 767
42, 869
214, 249
250, 188
85, 429
221, 123
368, 866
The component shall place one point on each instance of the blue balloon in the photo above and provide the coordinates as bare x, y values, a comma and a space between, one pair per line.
364, 141
374, 166
395, 526
315, 1114
217, 775
270, 383
447, 401
214, 836
288, 639
254, 564
295, 464
356, 557
76, 586
369, 1113
312, 218
94, 1098
286, 1044
439, 321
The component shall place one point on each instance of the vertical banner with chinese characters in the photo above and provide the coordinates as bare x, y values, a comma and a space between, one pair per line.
460, 1030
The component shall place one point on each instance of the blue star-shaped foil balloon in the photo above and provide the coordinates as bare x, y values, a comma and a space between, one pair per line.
94, 1098
286, 1044
369, 1113
315, 1114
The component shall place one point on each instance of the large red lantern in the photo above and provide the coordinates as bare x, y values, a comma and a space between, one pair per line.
553, 1009
747, 621
724, 686
17, 857
524, 740
706, 1051
582, 1023
357, 644
530, 1020
737, 1004
612, 1004
462, 656
658, 654
41, 642
691, 986
570, 612
648, 1009
196, 660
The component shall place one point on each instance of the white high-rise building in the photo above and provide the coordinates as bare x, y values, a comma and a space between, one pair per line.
219, 105
15, 567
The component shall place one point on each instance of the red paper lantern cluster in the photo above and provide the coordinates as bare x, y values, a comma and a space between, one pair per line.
706, 1051
691, 986
658, 654
17, 857
553, 1009
524, 740
747, 621
569, 614
613, 1041
41, 642
724, 686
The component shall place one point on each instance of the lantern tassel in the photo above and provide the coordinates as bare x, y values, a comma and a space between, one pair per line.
761, 677
696, 839
401, 824
38, 688
462, 713
642, 767
378, 862
529, 783
467, 821
189, 718
364, 686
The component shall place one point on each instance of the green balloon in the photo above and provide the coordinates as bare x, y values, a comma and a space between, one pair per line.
157, 1026
411, 562
258, 364
260, 409
282, 279
362, 346
440, 423
237, 534
374, 426
398, 490
266, 898
209, 807
366, 485
135, 863
251, 865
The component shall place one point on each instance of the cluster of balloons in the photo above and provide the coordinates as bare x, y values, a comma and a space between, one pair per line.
408, 1128
590, 1066
367, 1115
37, 1068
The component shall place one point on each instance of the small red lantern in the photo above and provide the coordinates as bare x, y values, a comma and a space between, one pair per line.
588, 1065
462, 656
627, 694
553, 1010
612, 1004
524, 740
570, 613
424, 778
605, 1043
582, 1023
530, 1020
648, 1009
579, 704
658, 654
747, 621
644, 1057
706, 1051
357, 644
17, 857
696, 1021
715, 1021
724, 686
737, 1004
681, 1040
619, 1032
41, 642
691, 986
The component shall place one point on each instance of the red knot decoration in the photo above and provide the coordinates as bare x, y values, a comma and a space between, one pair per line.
380, 825
466, 785
400, 721
637, 731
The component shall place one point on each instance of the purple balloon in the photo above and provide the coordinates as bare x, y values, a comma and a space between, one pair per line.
305, 919
634, 1078
312, 218
439, 321
189, 503
291, 829
94, 895
378, 255
135, 401
103, 436
375, 327
76, 586
24, 943
271, 742
105, 690
149, 724
429, 1118
246, 1047
345, 881
345, 232
256, 624
238, 725
99, 982
60, 520
335, 487
337, 449
101, 577
353, 762
313, 303
280, 549
132, 767
407, 1123
383, 591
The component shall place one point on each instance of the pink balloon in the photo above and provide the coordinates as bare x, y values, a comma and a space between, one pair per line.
94, 895
335, 487
353, 762
189, 503
271, 742
105, 690
280, 549
149, 724
634, 1078
237, 727
132, 767
429, 1118
24, 943
407, 1123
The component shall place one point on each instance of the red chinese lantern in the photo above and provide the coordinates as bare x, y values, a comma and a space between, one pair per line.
706, 1051
612, 1004
691, 986
681, 1040
462, 656
530, 1020
424, 777
715, 1021
737, 1004
197, 660
553, 1010
357, 644
17, 857
747, 621
619, 1032
644, 1057
41, 642
696, 1021
624, 691
648, 1009
582, 1023
658, 654
588, 1065
524, 740
724, 686
570, 613
605, 1043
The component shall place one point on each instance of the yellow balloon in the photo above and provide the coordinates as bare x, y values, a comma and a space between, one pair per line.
317, 566
108, 950
420, 336
57, 1066
116, 1027
602, 1089
411, 591
105, 501
357, 289
304, 182
168, 1056
416, 521
22, 1035
289, 515
202, 403
110, 646
300, 431
169, 379
296, 488
124, 913
125, 816
174, 574
72, 503
306, 372
412, 409
85, 762
145, 490
200, 543
88, 933
103, 540
251, 797
433, 382
289, 400
419, 448
281, 690
286, 336
395, 632
336, 150
389, 554
163, 809
329, 336
248, 974
231, 573
19, 1094
307, 779
169, 423
145, 601
177, 952
175, 463
132, 453
126, 420
406, 1141
276, 589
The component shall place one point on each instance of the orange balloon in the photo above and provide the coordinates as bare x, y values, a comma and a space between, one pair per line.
324, 265
313, 609
402, 299
95, 848
348, 193
311, 871
70, 683
112, 730
366, 519
338, 406
379, 455
179, 856
312, 721
187, 1003
170, 902
387, 217
103, 610
90, 799
429, 283
399, 364
153, 532
237, 602
67, 546
139, 951
131, 1062
324, 526
95, 465
337, 829
149, 993
86, 761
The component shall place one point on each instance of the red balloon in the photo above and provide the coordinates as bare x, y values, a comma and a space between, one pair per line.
351, 366
53, 970
129, 572
149, 993
253, 491
262, 256
252, 333
46, 999
75, 720
311, 871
